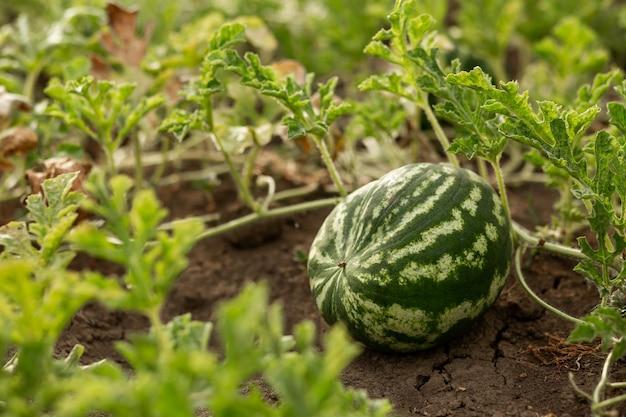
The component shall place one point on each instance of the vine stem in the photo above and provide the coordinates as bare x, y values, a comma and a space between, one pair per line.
330, 165
523, 235
440, 134
248, 166
243, 189
422, 102
138, 160
277, 212
482, 169
531, 293
271, 190
205, 218
501, 186
31, 80
599, 389
576, 388
295, 192
158, 329
110, 160
161, 165
609, 402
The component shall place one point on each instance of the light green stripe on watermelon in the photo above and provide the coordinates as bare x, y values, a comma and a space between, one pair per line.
408, 259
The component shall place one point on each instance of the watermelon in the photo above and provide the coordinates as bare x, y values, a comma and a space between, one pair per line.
408, 260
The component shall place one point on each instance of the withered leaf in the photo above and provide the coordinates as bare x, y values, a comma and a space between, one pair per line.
17, 140
287, 67
54, 167
123, 21
121, 39
5, 165
99, 67
304, 144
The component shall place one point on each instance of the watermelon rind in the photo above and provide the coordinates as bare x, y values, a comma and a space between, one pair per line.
410, 259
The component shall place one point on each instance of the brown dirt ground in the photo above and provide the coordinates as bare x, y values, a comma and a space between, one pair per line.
511, 363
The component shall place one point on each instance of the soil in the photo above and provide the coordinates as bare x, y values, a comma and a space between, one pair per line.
513, 362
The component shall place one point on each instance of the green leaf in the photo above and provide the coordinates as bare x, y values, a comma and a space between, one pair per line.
583, 332
603, 178
467, 145
417, 27
90, 240
187, 334
303, 117
131, 237
55, 236
87, 238
621, 89
380, 50
226, 36
589, 269
617, 116
145, 215
145, 106
573, 48
56, 200
391, 83
16, 242
102, 109
605, 323
476, 79
51, 215
181, 122
590, 94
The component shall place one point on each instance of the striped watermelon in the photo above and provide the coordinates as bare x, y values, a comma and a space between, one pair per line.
407, 260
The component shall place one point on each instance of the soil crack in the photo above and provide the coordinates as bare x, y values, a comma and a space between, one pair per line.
438, 367
441, 366
420, 381
495, 345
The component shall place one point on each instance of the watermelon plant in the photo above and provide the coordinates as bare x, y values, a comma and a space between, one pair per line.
592, 163
29, 51
104, 111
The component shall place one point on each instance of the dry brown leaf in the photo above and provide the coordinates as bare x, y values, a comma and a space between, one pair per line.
304, 144
99, 68
5, 165
340, 145
277, 166
18, 140
561, 353
121, 39
35, 179
123, 21
287, 67
54, 167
